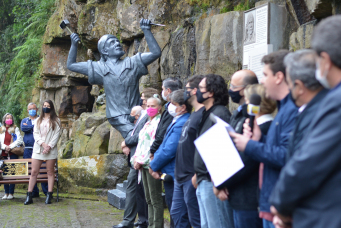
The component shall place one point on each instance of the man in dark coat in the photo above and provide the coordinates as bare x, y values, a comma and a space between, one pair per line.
306, 92
308, 189
272, 148
135, 199
242, 186
213, 94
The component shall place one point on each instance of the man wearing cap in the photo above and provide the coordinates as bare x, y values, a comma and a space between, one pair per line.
120, 77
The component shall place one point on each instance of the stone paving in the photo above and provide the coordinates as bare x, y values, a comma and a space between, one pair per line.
66, 213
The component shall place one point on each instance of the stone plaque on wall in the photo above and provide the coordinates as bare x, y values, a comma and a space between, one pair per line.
264, 27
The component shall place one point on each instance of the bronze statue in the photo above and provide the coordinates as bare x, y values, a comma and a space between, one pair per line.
120, 77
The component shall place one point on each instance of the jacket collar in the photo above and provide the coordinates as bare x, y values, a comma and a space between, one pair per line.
186, 115
10, 130
316, 99
282, 102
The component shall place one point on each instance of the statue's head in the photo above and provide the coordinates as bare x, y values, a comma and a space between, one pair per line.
109, 46
250, 24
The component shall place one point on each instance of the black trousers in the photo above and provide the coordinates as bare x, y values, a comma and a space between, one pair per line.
135, 201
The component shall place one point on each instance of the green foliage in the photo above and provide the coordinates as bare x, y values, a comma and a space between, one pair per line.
224, 10
20, 59
242, 6
199, 4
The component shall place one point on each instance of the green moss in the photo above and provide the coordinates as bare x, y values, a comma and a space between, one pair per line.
243, 6
224, 10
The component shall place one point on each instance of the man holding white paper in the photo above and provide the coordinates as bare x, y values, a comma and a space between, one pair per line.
213, 94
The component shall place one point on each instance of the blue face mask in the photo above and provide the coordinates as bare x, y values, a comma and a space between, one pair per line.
32, 112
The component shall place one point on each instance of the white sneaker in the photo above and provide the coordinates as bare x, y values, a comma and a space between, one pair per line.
5, 197
9, 197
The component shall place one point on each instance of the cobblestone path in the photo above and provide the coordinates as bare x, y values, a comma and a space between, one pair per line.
66, 213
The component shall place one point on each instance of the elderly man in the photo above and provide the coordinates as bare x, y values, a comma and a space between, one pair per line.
120, 77
135, 114
308, 189
135, 199
27, 125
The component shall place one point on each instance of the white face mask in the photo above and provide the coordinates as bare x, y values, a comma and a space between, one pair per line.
323, 80
163, 96
172, 110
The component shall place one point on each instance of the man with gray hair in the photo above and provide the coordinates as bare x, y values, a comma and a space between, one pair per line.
308, 189
306, 92
120, 77
27, 125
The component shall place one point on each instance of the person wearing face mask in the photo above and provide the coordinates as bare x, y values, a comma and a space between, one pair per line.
169, 85
242, 186
184, 197
213, 94
135, 198
308, 190
270, 149
135, 114
7, 132
46, 134
141, 160
239, 81
27, 126
164, 157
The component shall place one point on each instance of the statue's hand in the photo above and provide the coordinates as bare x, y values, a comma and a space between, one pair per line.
145, 24
74, 39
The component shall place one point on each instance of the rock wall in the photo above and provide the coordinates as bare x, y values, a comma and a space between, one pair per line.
200, 37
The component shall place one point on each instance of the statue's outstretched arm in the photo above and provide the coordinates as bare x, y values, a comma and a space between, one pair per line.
72, 65
155, 51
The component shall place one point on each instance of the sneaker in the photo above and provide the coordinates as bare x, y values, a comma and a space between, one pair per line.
5, 197
9, 197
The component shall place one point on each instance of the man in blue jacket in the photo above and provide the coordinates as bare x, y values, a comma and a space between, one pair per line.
271, 149
27, 125
308, 189
164, 157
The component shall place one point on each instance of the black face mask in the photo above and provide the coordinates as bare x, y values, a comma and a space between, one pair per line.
187, 95
46, 110
131, 119
235, 96
141, 102
200, 98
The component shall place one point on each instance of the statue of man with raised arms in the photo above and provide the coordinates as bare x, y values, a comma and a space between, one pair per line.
120, 77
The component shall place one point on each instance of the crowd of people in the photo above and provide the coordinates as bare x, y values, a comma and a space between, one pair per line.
291, 175
291, 156
41, 134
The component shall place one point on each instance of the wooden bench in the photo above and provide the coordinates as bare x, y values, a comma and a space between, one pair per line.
18, 171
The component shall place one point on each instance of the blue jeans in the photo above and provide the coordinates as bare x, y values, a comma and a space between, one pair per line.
9, 188
213, 212
44, 186
185, 204
267, 224
169, 189
247, 219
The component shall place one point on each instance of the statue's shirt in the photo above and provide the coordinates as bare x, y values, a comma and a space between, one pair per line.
121, 88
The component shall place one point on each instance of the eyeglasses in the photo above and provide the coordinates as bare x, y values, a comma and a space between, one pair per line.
235, 87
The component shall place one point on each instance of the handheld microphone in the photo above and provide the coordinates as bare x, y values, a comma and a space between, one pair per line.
166, 177
253, 108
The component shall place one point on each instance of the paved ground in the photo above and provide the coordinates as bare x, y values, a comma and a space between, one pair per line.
71, 213
66, 213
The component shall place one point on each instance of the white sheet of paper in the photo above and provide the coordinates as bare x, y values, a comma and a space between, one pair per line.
220, 121
219, 153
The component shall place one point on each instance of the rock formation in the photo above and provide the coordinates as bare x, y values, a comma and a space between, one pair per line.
197, 39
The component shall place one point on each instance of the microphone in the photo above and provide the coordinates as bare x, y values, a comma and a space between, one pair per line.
166, 177
253, 108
